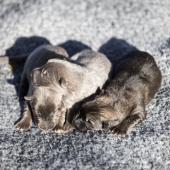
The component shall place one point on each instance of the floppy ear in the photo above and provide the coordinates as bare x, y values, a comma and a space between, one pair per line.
28, 98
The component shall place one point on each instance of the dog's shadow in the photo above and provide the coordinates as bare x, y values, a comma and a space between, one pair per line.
18, 53
116, 49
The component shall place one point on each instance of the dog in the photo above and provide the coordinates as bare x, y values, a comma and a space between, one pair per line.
56, 83
37, 58
121, 104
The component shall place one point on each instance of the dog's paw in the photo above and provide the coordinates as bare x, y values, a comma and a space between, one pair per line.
119, 131
62, 131
59, 131
24, 124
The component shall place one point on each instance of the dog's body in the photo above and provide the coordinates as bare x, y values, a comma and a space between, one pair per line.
36, 59
56, 83
122, 102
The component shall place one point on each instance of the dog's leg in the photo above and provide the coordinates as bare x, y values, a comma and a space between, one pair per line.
136, 116
60, 126
25, 121
126, 125
61, 119
64, 126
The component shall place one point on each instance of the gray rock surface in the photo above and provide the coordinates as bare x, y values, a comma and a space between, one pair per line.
113, 27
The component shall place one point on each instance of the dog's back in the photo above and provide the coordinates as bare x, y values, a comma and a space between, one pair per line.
141, 68
98, 69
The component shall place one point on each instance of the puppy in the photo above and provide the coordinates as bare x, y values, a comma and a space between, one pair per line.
58, 83
36, 59
121, 104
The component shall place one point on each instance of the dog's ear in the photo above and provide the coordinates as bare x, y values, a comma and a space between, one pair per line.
28, 98
62, 82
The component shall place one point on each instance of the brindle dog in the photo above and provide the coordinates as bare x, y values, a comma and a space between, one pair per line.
56, 84
121, 104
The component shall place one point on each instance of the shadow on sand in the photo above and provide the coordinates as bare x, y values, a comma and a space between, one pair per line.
116, 49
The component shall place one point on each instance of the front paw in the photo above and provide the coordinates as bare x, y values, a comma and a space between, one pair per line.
24, 124
120, 131
63, 130
59, 131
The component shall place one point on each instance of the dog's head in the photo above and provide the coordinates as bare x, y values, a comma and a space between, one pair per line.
87, 122
87, 117
96, 114
52, 84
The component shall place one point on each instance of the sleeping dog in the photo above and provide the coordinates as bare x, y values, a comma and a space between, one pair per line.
56, 82
121, 104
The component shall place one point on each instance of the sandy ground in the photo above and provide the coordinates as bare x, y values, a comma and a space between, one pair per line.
114, 28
